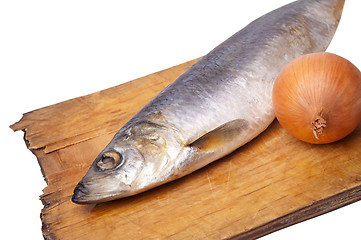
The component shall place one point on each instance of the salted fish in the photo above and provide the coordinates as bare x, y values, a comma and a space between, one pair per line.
220, 103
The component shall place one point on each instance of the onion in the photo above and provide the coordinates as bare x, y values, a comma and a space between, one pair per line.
317, 98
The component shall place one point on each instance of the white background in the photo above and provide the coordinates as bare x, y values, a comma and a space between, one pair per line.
51, 51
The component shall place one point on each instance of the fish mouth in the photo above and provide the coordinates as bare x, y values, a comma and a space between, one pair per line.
83, 195
80, 194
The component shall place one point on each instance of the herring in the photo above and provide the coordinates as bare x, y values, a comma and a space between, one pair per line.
220, 103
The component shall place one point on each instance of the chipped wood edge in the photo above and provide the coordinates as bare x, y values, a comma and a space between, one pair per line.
33, 151
63, 143
316, 209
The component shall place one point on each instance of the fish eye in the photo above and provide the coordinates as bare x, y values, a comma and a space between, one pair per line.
110, 160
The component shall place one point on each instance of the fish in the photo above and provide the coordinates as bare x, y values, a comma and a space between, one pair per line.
220, 103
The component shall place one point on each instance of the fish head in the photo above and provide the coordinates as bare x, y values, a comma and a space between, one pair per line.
138, 158
111, 174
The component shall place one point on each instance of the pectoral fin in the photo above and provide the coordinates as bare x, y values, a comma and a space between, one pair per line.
220, 137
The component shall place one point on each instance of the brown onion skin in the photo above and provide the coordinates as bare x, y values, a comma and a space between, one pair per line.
320, 86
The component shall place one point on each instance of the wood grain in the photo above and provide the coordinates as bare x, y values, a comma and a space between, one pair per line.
270, 183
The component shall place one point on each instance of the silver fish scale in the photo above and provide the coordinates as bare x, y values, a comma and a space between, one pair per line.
235, 79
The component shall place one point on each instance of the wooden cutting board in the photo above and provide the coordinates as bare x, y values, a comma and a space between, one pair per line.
270, 183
